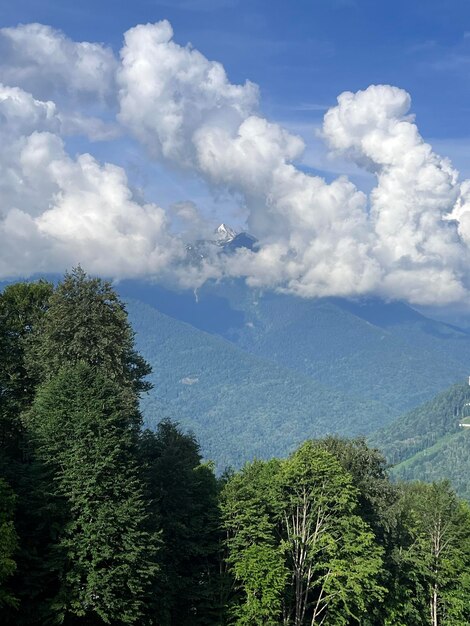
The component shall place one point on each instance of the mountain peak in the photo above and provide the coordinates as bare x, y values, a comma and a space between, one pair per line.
224, 233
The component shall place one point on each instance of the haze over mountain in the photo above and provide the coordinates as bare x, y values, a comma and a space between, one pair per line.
262, 370
384, 351
238, 405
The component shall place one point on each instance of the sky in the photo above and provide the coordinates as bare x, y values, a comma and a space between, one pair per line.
336, 131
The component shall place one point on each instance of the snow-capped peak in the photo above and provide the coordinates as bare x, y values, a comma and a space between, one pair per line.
224, 233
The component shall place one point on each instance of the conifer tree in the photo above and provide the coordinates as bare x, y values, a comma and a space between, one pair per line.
87, 322
85, 431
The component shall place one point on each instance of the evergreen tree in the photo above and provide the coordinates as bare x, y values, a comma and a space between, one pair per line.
87, 322
86, 431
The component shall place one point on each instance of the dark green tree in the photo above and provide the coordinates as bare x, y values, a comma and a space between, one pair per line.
22, 306
87, 322
184, 505
85, 428
8, 545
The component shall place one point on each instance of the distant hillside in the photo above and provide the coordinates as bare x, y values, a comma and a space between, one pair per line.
387, 352
239, 405
448, 459
428, 444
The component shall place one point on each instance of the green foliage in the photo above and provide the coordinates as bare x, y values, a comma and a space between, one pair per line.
106, 524
383, 352
434, 556
22, 306
183, 495
427, 443
85, 429
238, 405
250, 506
332, 552
296, 518
87, 322
8, 544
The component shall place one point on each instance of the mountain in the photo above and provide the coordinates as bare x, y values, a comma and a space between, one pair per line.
387, 352
239, 405
225, 241
224, 234
428, 443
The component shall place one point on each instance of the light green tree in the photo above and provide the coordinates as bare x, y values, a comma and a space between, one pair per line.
436, 554
299, 552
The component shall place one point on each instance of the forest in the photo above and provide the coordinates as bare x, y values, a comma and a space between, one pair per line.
105, 522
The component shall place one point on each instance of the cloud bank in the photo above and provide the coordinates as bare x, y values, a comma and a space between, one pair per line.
408, 239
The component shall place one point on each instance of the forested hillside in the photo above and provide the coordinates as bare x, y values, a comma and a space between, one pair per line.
448, 459
105, 522
428, 444
372, 349
239, 406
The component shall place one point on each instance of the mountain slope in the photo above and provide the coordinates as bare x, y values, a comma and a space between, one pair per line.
424, 426
400, 362
448, 459
238, 405
384, 351
428, 444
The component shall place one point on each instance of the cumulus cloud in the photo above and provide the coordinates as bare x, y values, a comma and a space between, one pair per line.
43, 61
409, 238
168, 91
419, 248
58, 211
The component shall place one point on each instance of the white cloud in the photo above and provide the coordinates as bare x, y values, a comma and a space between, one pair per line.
43, 61
58, 211
420, 251
167, 92
408, 238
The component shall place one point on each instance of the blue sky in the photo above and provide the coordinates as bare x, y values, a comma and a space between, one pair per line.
407, 237
302, 53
